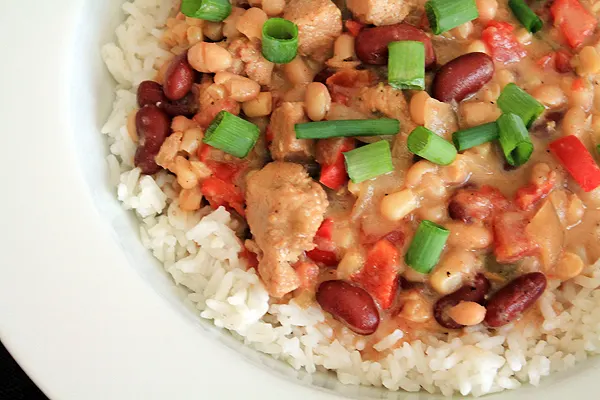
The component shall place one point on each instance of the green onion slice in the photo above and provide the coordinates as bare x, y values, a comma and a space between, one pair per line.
444, 15
426, 247
515, 100
525, 15
209, 10
406, 65
347, 128
430, 146
475, 136
514, 139
280, 40
369, 161
231, 134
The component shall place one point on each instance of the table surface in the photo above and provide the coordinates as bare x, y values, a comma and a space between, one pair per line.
14, 383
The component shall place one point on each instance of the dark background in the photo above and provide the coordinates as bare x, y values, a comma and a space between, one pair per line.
14, 383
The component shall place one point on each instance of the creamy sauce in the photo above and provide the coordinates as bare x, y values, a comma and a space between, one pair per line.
564, 220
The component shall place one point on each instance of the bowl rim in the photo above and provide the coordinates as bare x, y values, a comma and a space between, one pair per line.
71, 335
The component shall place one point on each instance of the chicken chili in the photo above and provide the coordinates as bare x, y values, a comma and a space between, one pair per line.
426, 165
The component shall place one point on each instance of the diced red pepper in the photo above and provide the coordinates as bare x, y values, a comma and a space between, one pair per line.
528, 195
334, 175
499, 202
325, 251
354, 27
326, 257
578, 84
500, 39
225, 171
577, 160
308, 273
379, 276
325, 231
220, 193
250, 257
546, 61
574, 21
562, 61
204, 152
395, 237
559, 60
510, 238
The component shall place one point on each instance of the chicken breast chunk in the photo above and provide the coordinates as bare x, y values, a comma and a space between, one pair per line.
285, 207
285, 146
380, 12
319, 24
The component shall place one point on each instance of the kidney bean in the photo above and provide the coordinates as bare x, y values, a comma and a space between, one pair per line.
323, 75
462, 76
153, 126
150, 93
187, 106
144, 160
371, 44
349, 304
468, 205
513, 299
179, 78
474, 291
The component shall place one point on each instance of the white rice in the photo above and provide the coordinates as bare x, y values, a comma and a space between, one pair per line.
200, 251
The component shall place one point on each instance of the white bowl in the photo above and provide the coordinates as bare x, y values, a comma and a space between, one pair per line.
84, 308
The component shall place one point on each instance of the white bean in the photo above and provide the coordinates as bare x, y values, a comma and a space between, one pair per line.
317, 101
261, 106
398, 205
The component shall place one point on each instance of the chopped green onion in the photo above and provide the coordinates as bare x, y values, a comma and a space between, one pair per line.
430, 146
598, 148
514, 139
525, 15
231, 134
426, 247
346, 128
515, 100
444, 15
209, 10
369, 161
406, 65
280, 40
472, 137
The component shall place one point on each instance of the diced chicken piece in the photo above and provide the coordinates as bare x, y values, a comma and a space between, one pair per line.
285, 208
248, 60
285, 146
388, 101
380, 12
319, 24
